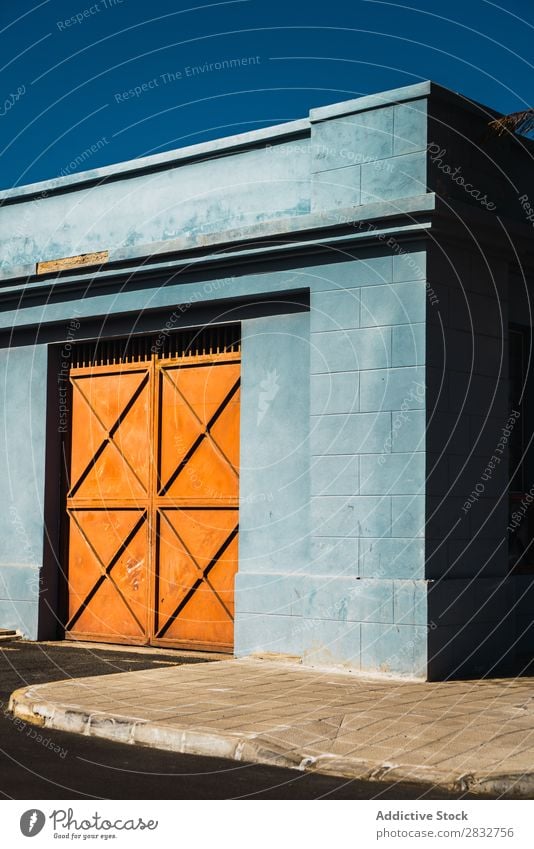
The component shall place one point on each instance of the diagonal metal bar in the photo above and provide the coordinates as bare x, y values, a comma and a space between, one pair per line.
105, 570
109, 438
192, 410
202, 579
203, 574
203, 435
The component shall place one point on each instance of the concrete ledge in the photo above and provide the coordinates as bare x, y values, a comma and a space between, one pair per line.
371, 101
292, 742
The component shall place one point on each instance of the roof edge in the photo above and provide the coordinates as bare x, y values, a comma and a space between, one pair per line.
134, 167
229, 144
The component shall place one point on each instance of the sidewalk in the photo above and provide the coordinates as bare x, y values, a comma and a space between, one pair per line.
476, 735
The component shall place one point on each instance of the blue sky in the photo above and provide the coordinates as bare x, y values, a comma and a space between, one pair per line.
67, 65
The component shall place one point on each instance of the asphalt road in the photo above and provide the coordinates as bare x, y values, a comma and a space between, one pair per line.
69, 766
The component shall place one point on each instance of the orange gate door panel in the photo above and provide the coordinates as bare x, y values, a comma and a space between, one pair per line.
153, 499
108, 503
197, 502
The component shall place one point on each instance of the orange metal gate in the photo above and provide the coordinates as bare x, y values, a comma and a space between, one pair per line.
152, 498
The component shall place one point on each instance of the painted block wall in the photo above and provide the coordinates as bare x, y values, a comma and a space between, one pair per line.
362, 157
520, 293
523, 586
354, 591
367, 458
471, 597
23, 373
467, 163
274, 513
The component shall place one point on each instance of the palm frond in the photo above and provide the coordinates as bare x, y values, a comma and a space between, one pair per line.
516, 122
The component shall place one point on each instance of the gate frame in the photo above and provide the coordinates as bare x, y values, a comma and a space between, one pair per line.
58, 453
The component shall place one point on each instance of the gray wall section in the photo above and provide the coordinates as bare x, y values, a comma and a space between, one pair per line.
471, 598
520, 299
22, 459
469, 163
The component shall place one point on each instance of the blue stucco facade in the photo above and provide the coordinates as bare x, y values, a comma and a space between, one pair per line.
338, 247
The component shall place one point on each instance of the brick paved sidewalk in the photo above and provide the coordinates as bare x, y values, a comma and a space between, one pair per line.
462, 734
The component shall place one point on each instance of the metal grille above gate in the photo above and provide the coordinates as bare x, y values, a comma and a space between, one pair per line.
206, 341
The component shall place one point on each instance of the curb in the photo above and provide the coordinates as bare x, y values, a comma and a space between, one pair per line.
251, 747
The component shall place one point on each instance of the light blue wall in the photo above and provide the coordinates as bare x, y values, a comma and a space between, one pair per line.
274, 517
367, 463
23, 372
354, 593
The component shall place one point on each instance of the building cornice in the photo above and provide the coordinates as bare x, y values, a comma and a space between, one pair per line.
314, 232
